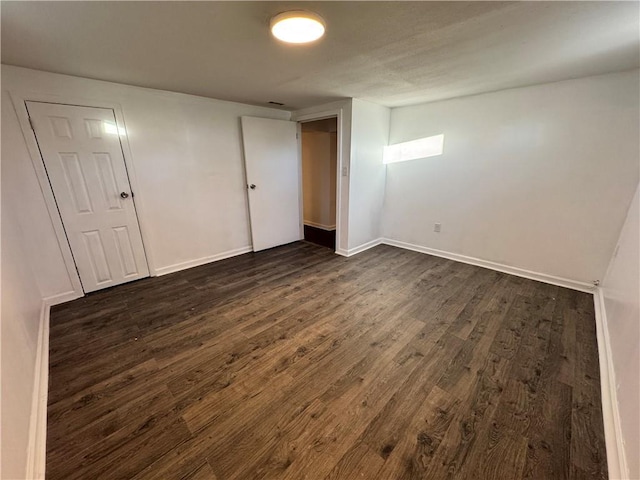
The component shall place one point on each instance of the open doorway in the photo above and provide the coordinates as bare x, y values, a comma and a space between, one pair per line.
319, 168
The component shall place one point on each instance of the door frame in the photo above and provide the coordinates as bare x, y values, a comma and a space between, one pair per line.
18, 99
311, 117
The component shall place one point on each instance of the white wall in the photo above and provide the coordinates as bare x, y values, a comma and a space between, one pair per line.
363, 129
319, 178
536, 178
20, 314
28, 240
187, 160
370, 132
21, 194
621, 289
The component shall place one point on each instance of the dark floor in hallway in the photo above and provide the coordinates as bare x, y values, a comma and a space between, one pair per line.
320, 236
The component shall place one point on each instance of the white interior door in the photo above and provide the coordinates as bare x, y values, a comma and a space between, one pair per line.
81, 150
273, 181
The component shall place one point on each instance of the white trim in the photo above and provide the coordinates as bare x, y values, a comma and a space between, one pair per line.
616, 458
334, 109
18, 99
61, 298
319, 225
45, 187
201, 261
300, 179
363, 247
37, 447
519, 272
320, 112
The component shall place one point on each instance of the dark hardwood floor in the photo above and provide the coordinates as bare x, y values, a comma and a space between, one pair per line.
295, 363
319, 236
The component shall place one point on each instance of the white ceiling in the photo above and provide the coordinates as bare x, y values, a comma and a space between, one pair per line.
392, 53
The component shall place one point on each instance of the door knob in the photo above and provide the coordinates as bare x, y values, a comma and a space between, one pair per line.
124, 195
252, 186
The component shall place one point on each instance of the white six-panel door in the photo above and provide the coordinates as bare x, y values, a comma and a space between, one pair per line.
273, 177
81, 150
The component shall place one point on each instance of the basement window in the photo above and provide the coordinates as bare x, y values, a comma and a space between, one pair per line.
421, 148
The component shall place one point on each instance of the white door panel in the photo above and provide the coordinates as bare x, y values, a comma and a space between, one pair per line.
272, 165
85, 165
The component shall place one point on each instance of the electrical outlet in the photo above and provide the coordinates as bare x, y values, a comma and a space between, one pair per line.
344, 171
436, 227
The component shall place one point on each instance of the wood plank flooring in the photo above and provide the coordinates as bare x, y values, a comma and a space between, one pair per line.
295, 363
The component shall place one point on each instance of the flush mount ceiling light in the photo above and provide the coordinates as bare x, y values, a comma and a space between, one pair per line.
297, 26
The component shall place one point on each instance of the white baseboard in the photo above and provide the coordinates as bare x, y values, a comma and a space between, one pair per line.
519, 272
62, 298
363, 247
37, 449
320, 225
342, 252
616, 458
201, 261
